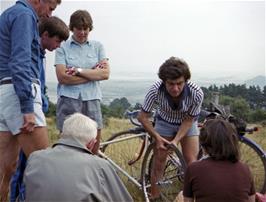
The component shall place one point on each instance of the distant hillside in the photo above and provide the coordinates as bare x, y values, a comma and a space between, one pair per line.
257, 81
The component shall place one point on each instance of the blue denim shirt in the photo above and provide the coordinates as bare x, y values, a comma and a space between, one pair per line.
85, 56
20, 50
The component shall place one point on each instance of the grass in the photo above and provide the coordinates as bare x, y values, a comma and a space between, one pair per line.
125, 151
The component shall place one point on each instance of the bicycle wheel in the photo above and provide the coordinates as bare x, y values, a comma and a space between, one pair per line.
122, 149
173, 177
255, 159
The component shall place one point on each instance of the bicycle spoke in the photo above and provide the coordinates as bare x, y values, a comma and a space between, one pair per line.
256, 165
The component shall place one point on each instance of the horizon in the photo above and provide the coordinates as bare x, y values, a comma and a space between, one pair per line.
224, 38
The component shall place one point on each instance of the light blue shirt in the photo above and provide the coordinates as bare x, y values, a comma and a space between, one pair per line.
85, 56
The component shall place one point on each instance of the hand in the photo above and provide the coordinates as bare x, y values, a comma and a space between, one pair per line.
103, 64
71, 71
161, 143
29, 123
175, 142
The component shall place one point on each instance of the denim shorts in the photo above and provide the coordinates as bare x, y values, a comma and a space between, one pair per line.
67, 106
167, 129
11, 118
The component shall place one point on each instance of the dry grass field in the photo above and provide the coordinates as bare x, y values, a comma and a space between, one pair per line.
124, 151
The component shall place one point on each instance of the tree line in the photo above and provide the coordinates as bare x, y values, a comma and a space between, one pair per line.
248, 103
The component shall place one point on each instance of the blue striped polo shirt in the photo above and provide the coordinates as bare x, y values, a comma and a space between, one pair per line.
189, 105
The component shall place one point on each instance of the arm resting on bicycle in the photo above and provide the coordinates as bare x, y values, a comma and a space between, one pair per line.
184, 127
143, 118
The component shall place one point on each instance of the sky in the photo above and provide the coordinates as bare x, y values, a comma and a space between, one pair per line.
216, 38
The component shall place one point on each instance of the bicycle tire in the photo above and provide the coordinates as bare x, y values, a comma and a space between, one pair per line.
122, 152
252, 156
173, 177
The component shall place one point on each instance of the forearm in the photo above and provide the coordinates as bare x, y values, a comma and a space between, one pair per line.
183, 129
72, 80
66, 79
147, 125
96, 74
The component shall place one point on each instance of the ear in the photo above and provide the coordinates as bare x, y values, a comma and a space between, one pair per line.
90, 144
45, 34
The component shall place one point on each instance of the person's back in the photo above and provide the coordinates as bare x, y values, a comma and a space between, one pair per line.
219, 176
224, 181
70, 172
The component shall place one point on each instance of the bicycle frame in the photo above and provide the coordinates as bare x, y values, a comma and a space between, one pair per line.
117, 167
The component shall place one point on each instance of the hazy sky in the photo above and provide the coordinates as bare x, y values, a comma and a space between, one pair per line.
218, 38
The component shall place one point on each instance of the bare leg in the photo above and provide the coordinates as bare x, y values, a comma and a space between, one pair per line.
158, 165
157, 170
9, 150
190, 148
37, 140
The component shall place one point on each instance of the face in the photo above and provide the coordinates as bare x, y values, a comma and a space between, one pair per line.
46, 7
175, 87
81, 35
50, 43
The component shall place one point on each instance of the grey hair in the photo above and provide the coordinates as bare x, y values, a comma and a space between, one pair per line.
80, 127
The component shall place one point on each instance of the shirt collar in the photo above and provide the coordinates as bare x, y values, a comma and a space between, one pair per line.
182, 96
72, 142
75, 42
27, 4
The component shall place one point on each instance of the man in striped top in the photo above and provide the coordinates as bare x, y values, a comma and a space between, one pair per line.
177, 102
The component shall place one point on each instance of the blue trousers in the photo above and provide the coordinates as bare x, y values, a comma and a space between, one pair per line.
17, 188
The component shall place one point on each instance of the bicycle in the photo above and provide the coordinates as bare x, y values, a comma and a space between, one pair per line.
120, 150
136, 167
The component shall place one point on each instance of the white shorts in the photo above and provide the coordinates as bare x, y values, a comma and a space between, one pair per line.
11, 118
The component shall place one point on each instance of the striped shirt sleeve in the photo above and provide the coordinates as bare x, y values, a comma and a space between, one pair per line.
197, 97
151, 97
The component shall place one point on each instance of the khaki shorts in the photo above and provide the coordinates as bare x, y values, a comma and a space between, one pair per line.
11, 118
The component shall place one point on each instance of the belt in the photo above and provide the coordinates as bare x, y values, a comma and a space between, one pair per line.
9, 81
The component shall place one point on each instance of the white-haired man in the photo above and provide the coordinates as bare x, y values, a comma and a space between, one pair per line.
69, 171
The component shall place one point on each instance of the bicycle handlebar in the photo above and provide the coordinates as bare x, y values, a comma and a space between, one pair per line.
132, 115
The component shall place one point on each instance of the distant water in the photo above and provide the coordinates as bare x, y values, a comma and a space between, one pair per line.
134, 86
133, 89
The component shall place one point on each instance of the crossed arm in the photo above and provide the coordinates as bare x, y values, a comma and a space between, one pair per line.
86, 75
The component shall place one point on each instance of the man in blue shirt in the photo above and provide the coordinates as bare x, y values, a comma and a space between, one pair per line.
52, 32
22, 122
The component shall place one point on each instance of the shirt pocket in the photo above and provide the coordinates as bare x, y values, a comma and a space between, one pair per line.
91, 59
72, 61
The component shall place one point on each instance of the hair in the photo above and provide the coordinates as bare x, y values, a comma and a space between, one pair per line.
55, 27
81, 19
57, 1
219, 139
174, 68
81, 127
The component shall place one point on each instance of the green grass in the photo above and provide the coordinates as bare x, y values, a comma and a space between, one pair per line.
125, 151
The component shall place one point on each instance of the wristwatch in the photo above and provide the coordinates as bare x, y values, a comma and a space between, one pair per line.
79, 70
